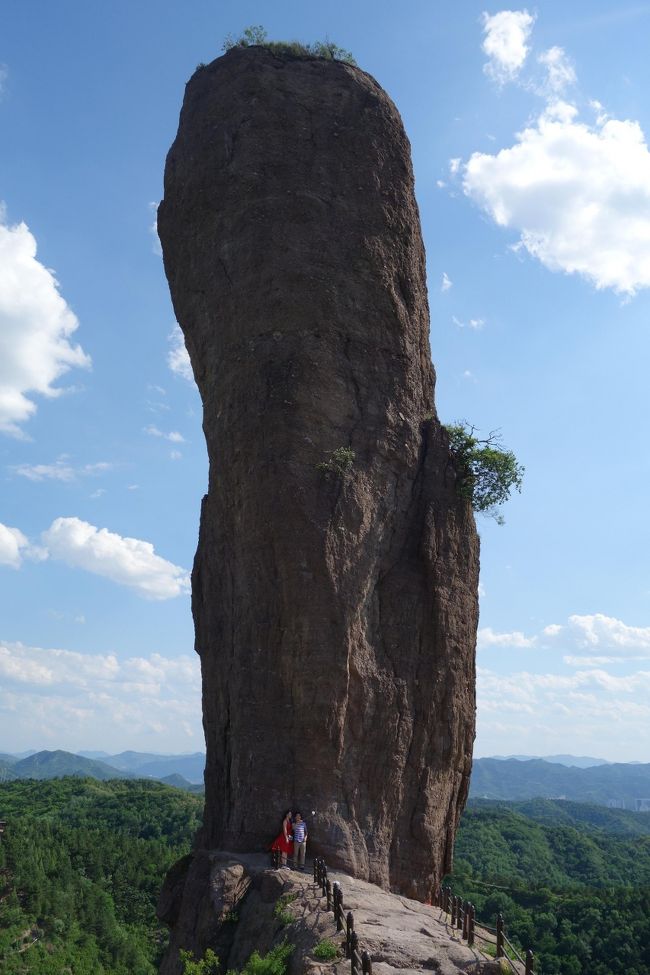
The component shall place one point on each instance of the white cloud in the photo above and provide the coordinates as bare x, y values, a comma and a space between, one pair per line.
454, 165
446, 284
560, 73
60, 470
175, 455
553, 629
577, 194
126, 561
173, 436
13, 545
598, 713
489, 638
506, 43
476, 324
600, 630
178, 359
61, 698
35, 329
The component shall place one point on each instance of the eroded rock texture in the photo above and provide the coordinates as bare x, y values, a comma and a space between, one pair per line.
335, 616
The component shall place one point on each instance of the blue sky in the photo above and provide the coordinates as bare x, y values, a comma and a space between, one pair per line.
528, 130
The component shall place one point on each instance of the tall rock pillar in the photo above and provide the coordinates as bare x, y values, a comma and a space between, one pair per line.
335, 611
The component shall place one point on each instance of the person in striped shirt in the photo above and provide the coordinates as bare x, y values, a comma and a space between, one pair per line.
299, 841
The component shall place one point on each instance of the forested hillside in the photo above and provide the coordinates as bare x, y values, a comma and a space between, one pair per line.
81, 865
625, 784
572, 881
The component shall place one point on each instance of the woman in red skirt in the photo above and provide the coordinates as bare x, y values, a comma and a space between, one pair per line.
284, 841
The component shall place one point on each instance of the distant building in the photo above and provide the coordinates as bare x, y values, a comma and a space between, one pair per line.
642, 805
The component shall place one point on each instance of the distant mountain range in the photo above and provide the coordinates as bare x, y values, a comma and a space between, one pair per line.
185, 771
577, 761
617, 785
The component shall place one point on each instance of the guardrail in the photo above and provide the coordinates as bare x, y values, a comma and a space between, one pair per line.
360, 961
463, 918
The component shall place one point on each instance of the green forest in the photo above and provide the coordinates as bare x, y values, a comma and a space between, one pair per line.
572, 882
81, 865
82, 861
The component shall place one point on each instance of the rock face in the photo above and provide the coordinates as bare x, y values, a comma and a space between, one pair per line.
335, 611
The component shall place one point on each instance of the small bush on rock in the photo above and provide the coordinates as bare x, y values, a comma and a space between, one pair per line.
208, 965
280, 912
273, 963
326, 950
256, 36
339, 463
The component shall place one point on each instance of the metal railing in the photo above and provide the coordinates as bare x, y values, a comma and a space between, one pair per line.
463, 918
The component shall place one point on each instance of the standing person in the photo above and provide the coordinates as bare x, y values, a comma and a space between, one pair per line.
299, 841
284, 840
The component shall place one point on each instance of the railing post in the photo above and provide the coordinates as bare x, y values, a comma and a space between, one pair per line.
453, 910
338, 905
530, 958
459, 913
366, 963
316, 862
324, 880
446, 905
465, 919
470, 925
348, 934
354, 953
328, 891
500, 933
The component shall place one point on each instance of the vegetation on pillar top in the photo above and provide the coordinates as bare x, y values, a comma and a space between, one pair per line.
257, 36
487, 471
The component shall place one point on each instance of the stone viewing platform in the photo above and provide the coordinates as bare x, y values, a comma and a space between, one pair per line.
238, 913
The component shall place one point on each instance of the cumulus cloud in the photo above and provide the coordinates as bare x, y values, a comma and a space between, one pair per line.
597, 712
599, 630
36, 326
505, 43
446, 284
178, 359
127, 561
61, 697
560, 73
173, 436
487, 637
578, 195
616, 640
13, 546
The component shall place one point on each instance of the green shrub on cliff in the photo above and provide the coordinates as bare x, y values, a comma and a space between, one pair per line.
208, 965
256, 36
339, 462
487, 472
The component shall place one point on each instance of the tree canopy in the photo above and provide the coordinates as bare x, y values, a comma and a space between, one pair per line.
487, 471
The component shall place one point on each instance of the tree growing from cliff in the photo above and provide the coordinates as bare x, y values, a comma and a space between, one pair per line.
487, 471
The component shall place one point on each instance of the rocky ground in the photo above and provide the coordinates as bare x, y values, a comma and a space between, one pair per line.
240, 915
